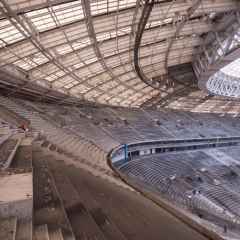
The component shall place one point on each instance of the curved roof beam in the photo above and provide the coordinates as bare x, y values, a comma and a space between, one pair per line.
141, 26
179, 28
147, 9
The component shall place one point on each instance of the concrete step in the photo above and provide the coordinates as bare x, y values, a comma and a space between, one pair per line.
24, 230
84, 226
8, 228
48, 204
56, 234
88, 166
41, 232
106, 225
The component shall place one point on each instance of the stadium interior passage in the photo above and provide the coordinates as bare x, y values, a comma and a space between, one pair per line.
119, 119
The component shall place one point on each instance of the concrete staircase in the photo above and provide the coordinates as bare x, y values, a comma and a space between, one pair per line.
24, 230
42, 232
56, 234
50, 218
88, 219
15, 229
91, 167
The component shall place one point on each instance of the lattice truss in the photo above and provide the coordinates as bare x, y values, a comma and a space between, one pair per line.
218, 62
224, 85
85, 48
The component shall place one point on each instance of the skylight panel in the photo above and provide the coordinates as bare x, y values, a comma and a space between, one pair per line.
67, 86
77, 65
70, 61
96, 81
59, 73
80, 89
41, 19
99, 7
39, 59
31, 61
50, 78
9, 33
91, 60
93, 93
108, 85
23, 64
112, 5
63, 49
67, 79
81, 43
126, 3
70, 12
105, 6
103, 36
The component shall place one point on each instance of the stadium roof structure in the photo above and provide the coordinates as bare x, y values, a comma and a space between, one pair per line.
117, 52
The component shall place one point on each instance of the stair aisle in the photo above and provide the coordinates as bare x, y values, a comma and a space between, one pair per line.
48, 208
97, 210
56, 234
24, 230
93, 207
41, 232
83, 224
90, 166
136, 217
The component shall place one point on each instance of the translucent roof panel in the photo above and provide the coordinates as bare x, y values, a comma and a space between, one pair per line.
86, 48
9, 33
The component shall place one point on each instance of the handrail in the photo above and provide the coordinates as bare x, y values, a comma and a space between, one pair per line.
117, 155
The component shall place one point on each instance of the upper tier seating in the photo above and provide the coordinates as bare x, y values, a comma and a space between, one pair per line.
195, 180
88, 133
85, 151
107, 127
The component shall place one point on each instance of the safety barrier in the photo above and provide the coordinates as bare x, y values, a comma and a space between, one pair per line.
119, 156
